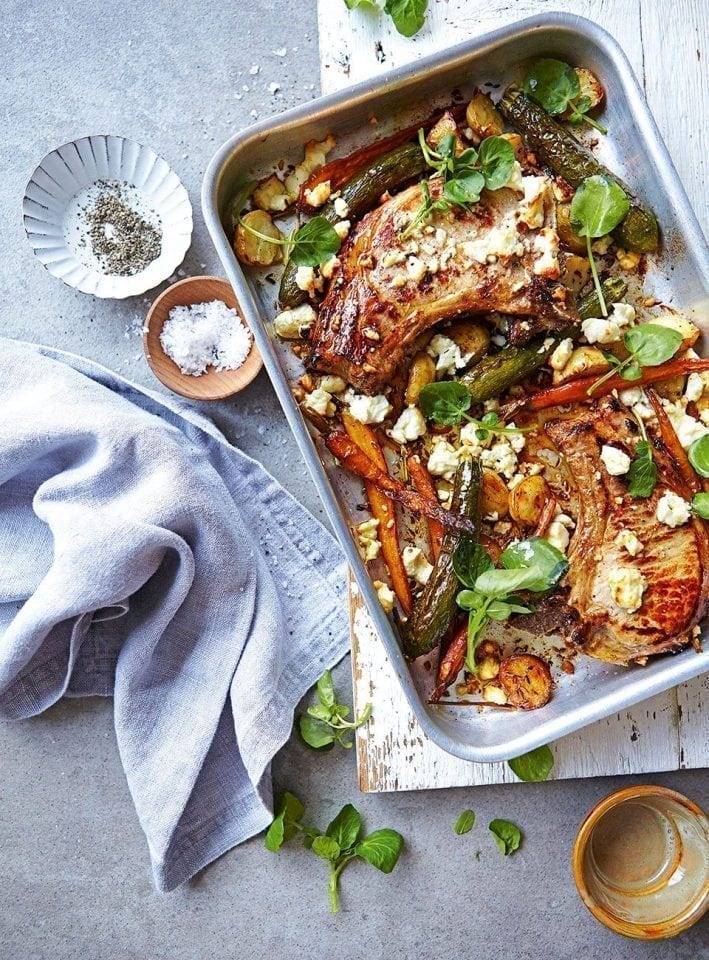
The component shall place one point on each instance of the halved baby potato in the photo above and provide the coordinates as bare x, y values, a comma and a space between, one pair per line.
253, 250
526, 679
483, 117
527, 500
495, 496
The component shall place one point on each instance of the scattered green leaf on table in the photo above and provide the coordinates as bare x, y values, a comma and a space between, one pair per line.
326, 847
464, 823
381, 848
315, 734
408, 15
325, 724
346, 826
286, 822
506, 835
534, 766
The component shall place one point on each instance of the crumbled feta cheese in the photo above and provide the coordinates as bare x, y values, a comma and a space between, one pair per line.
342, 228
320, 401
672, 509
410, 425
469, 437
609, 329
446, 353
627, 585
329, 266
631, 396
415, 269
292, 324
494, 694
560, 357
628, 540
615, 461
602, 245
558, 535
565, 520
306, 280
516, 440
416, 564
367, 540
391, 257
386, 597
688, 429
341, 208
516, 180
500, 241
443, 460
332, 384
319, 194
531, 209
548, 456
501, 458
695, 387
441, 236
546, 246
369, 409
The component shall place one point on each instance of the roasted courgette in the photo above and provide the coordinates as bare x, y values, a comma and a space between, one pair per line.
361, 193
558, 148
435, 608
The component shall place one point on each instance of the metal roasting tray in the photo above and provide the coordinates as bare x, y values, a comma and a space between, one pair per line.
635, 151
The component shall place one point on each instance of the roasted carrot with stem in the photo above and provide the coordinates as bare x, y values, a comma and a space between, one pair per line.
672, 444
451, 662
423, 483
357, 462
383, 510
576, 390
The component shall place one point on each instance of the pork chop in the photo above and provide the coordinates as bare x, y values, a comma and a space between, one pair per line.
673, 562
388, 290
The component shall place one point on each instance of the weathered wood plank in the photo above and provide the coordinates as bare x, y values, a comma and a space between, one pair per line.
668, 731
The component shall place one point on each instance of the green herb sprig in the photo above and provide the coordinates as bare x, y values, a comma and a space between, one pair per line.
340, 844
325, 724
555, 86
648, 345
490, 593
464, 175
597, 207
447, 403
408, 16
309, 246
533, 767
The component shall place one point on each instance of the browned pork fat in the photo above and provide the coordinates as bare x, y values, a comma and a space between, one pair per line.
388, 290
673, 562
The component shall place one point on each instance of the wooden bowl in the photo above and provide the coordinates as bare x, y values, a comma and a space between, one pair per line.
211, 385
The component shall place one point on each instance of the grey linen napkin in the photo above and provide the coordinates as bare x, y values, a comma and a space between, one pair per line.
142, 556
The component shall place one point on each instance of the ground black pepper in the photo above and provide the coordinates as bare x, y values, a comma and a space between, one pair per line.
121, 239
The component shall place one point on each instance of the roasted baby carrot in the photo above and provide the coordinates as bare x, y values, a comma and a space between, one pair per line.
672, 444
423, 483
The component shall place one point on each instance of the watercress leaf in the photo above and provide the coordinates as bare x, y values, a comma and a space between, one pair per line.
315, 733
700, 505
482, 434
447, 146
490, 419
465, 189
642, 475
342, 711
598, 206
497, 159
326, 847
581, 105
381, 848
469, 599
319, 712
631, 371
408, 15
292, 809
552, 84
365, 4
652, 344
507, 835
326, 690
544, 561
698, 454
315, 242
274, 838
468, 158
469, 561
533, 766
345, 827
444, 402
498, 583
499, 610
464, 823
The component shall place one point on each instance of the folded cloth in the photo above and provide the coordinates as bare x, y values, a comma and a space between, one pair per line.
143, 556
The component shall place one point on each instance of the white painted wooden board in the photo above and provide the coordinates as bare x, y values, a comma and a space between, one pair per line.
665, 45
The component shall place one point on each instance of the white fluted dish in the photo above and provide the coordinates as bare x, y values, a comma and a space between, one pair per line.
69, 178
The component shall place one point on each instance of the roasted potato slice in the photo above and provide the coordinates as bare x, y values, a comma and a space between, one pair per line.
583, 362
442, 127
526, 680
527, 500
495, 496
472, 339
675, 321
567, 235
421, 372
251, 249
271, 195
483, 117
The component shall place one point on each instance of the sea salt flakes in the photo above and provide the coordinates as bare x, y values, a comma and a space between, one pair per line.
205, 334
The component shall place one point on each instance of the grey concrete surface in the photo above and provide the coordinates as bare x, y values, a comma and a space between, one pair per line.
74, 876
